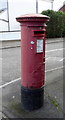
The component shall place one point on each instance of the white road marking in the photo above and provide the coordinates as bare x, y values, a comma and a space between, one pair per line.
55, 69
47, 58
4, 85
55, 50
55, 59
61, 59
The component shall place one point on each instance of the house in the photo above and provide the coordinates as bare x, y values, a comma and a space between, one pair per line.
9, 27
14, 9
62, 8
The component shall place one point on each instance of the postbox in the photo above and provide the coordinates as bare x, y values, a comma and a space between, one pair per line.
33, 36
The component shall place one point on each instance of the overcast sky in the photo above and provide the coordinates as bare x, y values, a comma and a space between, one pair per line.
42, 4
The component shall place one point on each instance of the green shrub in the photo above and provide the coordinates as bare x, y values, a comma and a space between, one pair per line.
56, 25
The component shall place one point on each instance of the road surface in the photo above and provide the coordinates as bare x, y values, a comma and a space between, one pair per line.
11, 71
11, 61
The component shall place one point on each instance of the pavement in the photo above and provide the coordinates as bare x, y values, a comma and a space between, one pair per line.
53, 100
53, 95
53, 103
16, 43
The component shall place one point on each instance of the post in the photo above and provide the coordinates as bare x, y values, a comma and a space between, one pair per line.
36, 6
8, 15
52, 4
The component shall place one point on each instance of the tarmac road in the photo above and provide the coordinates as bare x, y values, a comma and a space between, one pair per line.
11, 61
53, 77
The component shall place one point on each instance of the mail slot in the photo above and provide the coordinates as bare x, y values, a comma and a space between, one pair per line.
33, 32
38, 32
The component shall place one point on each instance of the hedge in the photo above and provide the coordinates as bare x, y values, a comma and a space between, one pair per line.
56, 25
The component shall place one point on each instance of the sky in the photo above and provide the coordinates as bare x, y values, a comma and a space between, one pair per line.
42, 4
56, 5
20, 7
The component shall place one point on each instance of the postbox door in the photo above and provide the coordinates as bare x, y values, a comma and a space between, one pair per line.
39, 66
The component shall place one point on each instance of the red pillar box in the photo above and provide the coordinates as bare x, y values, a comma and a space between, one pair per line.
33, 35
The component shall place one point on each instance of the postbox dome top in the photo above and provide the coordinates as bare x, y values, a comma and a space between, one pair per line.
33, 16
29, 17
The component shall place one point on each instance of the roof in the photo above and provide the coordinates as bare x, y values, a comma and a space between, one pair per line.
62, 6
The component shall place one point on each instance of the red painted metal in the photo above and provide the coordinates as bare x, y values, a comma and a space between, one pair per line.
33, 28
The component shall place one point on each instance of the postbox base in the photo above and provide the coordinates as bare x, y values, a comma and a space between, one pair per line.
32, 99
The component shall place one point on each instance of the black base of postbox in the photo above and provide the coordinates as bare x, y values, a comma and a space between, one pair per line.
32, 99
